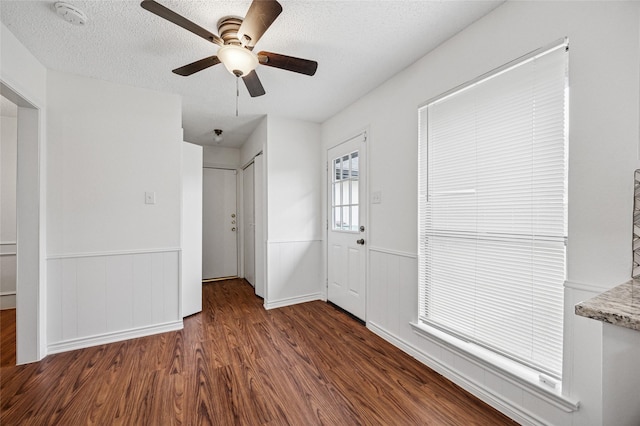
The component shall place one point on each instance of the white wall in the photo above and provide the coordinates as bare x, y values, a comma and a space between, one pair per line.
294, 202
108, 144
221, 156
295, 175
23, 80
8, 160
604, 109
256, 143
292, 209
21, 70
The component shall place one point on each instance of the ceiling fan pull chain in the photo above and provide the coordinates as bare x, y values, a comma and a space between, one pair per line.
237, 94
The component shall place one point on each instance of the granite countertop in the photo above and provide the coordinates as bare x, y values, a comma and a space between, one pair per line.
618, 306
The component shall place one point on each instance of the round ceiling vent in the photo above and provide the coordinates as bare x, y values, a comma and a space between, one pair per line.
70, 13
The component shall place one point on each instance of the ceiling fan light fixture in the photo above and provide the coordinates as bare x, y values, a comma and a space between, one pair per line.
238, 60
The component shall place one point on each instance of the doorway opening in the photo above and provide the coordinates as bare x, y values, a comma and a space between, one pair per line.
30, 341
9, 162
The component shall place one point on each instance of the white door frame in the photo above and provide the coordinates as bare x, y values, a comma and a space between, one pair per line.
31, 228
364, 200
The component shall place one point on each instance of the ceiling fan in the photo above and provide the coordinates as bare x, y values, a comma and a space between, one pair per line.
237, 39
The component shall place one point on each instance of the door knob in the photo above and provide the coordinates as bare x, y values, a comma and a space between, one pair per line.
360, 241
233, 229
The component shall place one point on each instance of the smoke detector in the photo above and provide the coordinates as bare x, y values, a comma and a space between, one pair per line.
70, 13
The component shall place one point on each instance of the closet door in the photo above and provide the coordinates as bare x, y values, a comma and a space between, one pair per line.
248, 195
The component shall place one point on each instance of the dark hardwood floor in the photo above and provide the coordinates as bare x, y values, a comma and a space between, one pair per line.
236, 363
7, 338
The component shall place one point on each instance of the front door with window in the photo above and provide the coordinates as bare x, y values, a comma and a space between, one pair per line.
346, 231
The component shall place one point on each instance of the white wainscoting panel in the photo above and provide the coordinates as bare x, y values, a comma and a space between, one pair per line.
392, 288
98, 298
294, 272
7, 275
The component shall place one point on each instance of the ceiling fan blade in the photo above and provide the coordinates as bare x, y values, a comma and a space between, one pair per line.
254, 86
196, 66
289, 63
260, 16
171, 16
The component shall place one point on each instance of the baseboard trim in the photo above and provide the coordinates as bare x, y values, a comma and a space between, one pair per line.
292, 301
102, 339
7, 300
520, 415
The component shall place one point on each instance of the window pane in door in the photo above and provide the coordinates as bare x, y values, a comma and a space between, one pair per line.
337, 223
345, 167
355, 219
354, 164
345, 193
354, 192
337, 194
346, 216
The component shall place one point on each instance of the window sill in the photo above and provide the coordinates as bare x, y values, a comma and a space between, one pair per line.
522, 376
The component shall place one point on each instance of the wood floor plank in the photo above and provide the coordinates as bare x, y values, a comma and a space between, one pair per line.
8, 337
237, 363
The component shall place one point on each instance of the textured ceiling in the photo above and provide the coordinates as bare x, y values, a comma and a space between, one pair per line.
358, 45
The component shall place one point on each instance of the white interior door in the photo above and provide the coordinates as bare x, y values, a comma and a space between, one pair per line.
347, 234
248, 221
219, 224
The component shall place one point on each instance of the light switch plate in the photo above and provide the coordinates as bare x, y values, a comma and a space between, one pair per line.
376, 197
149, 197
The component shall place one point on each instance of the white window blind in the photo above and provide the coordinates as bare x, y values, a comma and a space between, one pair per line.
493, 210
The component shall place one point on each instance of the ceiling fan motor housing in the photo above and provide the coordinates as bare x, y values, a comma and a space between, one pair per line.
228, 29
